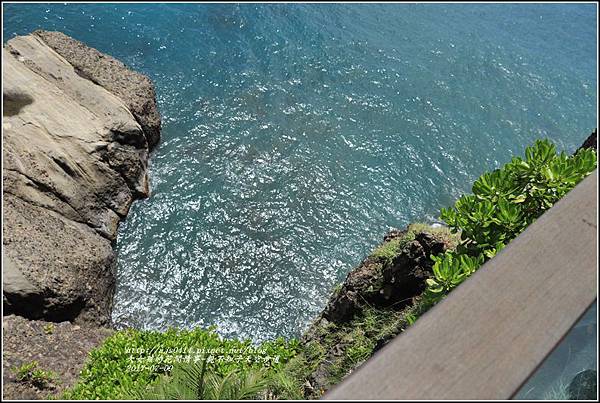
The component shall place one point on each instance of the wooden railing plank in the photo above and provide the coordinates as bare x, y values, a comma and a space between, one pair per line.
490, 333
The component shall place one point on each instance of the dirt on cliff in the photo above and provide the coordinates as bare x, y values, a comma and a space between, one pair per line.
60, 348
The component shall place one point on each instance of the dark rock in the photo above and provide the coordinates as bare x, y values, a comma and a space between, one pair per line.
590, 142
343, 304
396, 283
404, 278
431, 245
341, 307
584, 386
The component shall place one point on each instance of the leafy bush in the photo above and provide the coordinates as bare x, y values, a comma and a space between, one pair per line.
130, 359
504, 202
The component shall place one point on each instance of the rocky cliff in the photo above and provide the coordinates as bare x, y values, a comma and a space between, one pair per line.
77, 129
370, 307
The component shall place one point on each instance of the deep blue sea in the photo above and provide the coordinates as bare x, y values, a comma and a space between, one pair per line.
295, 135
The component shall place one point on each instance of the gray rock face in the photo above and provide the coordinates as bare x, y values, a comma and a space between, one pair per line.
133, 88
75, 158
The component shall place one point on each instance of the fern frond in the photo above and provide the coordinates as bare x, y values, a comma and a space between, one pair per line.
194, 381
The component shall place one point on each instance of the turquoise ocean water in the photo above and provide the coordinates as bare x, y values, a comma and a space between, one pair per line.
295, 135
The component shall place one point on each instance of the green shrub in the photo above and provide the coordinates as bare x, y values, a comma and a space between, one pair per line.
449, 270
504, 202
31, 374
130, 359
49, 328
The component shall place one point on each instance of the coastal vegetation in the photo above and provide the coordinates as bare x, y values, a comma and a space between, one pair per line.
504, 202
130, 360
157, 365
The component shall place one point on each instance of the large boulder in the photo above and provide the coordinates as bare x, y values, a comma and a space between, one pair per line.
584, 386
75, 158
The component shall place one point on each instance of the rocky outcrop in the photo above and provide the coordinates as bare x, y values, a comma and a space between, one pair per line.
584, 386
395, 282
77, 129
369, 308
377, 301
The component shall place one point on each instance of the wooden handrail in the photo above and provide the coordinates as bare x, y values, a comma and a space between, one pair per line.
488, 336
